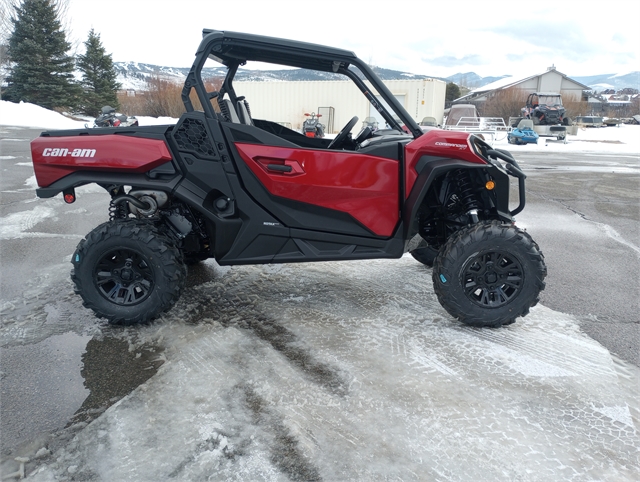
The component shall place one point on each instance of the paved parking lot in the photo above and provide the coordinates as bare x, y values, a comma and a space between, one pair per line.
332, 371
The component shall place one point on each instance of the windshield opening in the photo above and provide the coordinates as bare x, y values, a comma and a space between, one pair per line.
550, 100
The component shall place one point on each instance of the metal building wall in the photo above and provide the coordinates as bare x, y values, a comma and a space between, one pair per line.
288, 101
423, 97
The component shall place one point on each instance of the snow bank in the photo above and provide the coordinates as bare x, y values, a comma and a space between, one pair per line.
31, 115
622, 139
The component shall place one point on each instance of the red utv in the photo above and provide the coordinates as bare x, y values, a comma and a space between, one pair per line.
221, 184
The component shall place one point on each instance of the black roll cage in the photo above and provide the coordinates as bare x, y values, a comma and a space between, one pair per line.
234, 49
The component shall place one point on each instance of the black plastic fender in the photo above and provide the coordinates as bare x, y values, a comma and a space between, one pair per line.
429, 168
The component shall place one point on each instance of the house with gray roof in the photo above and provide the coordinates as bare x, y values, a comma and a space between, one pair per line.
550, 81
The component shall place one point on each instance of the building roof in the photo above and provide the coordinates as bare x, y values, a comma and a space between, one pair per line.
508, 82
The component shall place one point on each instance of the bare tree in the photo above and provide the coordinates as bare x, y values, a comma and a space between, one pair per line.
574, 105
8, 9
505, 103
163, 97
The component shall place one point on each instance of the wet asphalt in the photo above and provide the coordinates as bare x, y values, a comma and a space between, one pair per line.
61, 367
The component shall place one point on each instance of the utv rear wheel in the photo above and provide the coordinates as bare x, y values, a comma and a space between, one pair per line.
128, 272
489, 274
424, 253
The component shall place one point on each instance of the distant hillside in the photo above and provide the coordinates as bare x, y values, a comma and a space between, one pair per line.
472, 80
611, 81
598, 82
134, 75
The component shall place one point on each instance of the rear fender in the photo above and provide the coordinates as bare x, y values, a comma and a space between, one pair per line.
55, 157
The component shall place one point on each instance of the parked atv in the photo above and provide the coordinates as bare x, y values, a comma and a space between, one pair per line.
312, 127
220, 184
545, 108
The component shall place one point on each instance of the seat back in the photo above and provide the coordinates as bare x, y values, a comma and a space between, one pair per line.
226, 107
244, 113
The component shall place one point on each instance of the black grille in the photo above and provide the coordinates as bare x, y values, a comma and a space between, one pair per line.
191, 135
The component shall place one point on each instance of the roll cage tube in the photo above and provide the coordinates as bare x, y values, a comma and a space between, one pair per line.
227, 84
372, 98
386, 95
233, 48
193, 81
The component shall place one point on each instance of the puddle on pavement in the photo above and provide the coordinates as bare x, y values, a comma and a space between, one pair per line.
48, 388
111, 371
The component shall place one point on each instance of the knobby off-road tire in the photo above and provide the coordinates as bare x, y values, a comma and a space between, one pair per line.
424, 253
128, 272
489, 274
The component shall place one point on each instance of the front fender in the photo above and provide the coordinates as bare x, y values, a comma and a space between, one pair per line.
428, 169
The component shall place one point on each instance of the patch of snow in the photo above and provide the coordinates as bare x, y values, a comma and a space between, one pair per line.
30, 115
602, 86
366, 378
623, 139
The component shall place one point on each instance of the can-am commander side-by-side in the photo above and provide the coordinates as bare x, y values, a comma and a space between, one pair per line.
221, 184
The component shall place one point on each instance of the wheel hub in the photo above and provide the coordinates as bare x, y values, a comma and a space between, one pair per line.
124, 277
492, 279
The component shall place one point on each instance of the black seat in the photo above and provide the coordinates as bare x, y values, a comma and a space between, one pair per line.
244, 113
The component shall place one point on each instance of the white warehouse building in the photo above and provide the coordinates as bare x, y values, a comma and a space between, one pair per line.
338, 101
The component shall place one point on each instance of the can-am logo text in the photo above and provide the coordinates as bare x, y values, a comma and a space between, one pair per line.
64, 152
448, 144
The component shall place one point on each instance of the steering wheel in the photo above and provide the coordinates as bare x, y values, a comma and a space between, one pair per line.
342, 135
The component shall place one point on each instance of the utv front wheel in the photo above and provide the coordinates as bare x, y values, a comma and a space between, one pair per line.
489, 274
128, 272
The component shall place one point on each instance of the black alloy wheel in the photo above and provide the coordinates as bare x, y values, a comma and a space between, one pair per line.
493, 278
124, 277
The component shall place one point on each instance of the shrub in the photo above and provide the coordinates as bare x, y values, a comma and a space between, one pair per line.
161, 98
504, 103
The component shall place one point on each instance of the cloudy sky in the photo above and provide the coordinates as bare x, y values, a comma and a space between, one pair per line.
442, 38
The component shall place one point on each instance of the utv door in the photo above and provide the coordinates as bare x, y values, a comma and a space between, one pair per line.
333, 191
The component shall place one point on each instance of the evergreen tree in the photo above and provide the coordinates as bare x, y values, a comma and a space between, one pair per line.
452, 92
41, 70
98, 77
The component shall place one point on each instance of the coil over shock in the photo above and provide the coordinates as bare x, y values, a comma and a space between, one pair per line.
466, 193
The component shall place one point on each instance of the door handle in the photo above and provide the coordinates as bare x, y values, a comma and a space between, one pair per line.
279, 167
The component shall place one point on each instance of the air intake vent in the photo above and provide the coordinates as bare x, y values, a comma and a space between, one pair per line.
191, 136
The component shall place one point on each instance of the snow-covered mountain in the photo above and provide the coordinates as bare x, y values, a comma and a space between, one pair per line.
598, 82
134, 75
611, 81
472, 80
